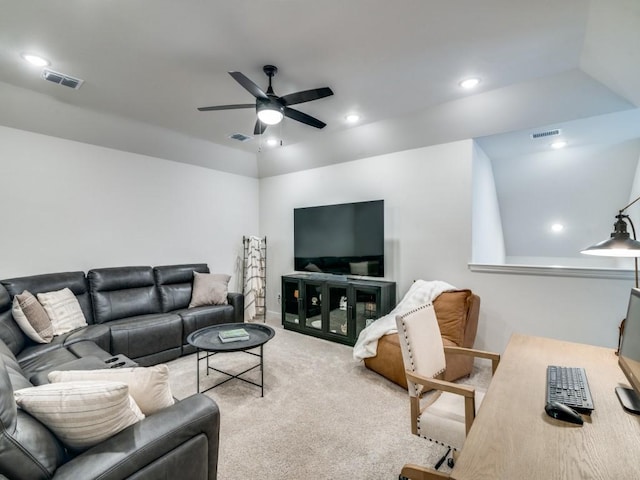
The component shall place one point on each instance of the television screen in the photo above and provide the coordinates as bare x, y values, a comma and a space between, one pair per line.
344, 239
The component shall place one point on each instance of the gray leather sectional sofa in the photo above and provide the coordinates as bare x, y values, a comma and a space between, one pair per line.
140, 312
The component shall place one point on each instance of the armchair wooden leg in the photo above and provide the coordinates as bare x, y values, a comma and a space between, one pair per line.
416, 472
469, 412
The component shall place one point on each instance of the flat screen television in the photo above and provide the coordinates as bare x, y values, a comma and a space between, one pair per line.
343, 239
629, 355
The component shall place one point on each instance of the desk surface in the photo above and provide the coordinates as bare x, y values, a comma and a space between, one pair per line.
516, 440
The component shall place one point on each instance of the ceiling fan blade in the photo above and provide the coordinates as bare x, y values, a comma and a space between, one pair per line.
303, 117
306, 96
259, 128
251, 87
228, 107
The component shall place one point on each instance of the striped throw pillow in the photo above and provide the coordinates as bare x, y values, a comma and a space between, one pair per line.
81, 414
149, 386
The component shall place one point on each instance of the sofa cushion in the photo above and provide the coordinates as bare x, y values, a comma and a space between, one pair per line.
122, 292
46, 359
50, 282
174, 284
149, 386
98, 334
209, 289
63, 310
32, 318
81, 414
145, 335
81, 363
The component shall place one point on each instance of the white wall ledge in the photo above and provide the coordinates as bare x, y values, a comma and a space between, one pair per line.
554, 271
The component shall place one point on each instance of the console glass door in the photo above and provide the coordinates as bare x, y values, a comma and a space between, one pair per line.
338, 310
291, 296
313, 305
366, 304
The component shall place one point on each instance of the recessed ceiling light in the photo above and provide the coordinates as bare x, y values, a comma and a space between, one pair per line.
559, 144
272, 142
36, 60
557, 227
352, 118
470, 82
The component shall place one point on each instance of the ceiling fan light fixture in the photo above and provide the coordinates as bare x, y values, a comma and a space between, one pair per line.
352, 118
270, 114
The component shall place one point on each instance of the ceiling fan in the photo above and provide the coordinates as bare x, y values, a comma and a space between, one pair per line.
270, 107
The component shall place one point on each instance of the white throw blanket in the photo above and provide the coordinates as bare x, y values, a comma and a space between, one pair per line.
254, 283
420, 293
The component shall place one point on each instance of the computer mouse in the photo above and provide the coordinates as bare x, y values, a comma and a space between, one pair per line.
561, 412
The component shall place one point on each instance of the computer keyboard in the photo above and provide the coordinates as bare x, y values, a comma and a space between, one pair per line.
568, 385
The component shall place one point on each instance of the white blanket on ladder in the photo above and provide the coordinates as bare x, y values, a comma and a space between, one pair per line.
254, 283
420, 293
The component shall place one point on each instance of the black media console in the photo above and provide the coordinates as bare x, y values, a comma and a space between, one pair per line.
334, 307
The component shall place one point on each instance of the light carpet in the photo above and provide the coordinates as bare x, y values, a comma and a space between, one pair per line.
323, 415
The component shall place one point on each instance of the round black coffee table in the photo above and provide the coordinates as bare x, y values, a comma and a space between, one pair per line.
207, 340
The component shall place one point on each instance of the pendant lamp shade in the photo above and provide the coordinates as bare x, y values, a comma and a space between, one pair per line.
620, 244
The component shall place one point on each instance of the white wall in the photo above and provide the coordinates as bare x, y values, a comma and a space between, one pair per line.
488, 239
427, 193
73, 206
428, 229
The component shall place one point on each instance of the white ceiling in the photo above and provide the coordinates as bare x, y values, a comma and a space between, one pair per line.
148, 64
155, 61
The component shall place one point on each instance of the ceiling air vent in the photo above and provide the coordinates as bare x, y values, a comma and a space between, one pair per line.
547, 133
62, 79
240, 137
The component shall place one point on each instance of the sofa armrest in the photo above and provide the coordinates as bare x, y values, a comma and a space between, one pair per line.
236, 300
85, 363
98, 334
149, 440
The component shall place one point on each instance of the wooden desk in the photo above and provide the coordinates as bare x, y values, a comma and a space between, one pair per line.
516, 440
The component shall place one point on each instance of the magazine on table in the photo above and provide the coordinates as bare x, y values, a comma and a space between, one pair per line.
235, 335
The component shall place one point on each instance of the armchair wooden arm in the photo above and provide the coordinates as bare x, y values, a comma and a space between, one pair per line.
494, 357
416, 472
441, 385
468, 392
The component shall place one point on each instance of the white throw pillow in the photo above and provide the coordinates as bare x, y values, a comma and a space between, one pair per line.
63, 309
149, 386
32, 318
81, 414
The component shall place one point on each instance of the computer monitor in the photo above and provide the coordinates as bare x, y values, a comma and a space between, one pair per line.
629, 357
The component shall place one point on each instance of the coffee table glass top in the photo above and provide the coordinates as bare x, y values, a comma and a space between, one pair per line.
207, 338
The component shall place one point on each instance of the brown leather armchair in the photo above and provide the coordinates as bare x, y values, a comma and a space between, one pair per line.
457, 312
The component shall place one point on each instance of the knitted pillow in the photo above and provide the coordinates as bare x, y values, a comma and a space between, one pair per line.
32, 318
